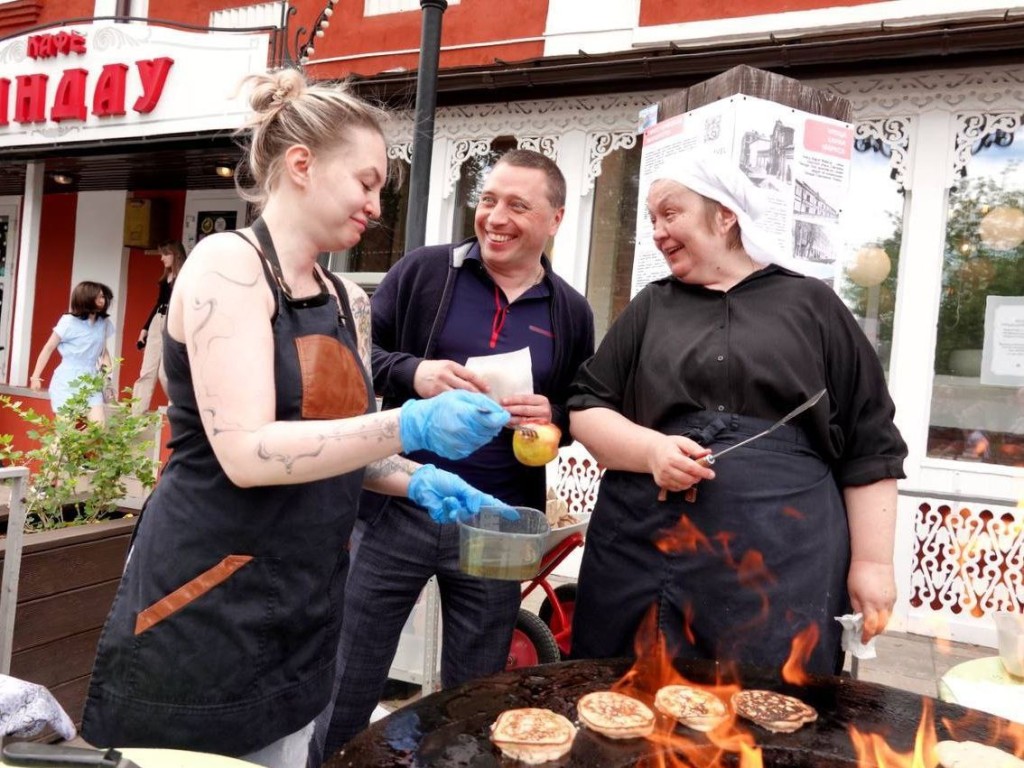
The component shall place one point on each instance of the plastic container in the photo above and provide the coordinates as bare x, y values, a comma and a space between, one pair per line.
1010, 630
497, 548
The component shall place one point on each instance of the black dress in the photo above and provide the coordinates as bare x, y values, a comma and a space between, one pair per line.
763, 550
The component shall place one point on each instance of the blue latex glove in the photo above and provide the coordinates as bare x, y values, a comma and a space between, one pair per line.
453, 424
447, 497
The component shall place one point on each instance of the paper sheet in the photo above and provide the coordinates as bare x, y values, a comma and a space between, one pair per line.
510, 373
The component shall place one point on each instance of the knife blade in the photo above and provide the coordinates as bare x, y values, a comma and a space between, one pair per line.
27, 753
711, 458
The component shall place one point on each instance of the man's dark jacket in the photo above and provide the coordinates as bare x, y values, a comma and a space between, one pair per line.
409, 310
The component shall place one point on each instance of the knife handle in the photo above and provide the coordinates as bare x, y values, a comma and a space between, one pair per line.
30, 753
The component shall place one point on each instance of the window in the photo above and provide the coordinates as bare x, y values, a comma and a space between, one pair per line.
383, 242
258, 15
873, 223
977, 409
471, 181
613, 236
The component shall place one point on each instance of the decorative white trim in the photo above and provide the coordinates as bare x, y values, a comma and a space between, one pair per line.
461, 151
546, 145
600, 145
609, 122
400, 151
895, 132
972, 127
963, 90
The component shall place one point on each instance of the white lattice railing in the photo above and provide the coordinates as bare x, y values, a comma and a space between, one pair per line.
966, 561
574, 477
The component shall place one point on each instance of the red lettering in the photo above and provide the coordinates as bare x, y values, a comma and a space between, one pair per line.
48, 46
154, 75
5, 92
30, 100
69, 101
35, 47
108, 100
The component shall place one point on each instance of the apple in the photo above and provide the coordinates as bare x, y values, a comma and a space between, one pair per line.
537, 444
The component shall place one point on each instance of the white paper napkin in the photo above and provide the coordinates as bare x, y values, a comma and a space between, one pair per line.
510, 373
853, 626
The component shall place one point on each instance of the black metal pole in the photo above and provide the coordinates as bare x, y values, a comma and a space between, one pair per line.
423, 136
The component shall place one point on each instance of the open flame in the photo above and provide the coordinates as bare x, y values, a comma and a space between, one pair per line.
654, 669
795, 669
873, 750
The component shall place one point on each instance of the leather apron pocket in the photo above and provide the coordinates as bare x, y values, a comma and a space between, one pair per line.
209, 641
333, 385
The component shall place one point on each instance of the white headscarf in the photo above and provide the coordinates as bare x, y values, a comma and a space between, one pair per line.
716, 178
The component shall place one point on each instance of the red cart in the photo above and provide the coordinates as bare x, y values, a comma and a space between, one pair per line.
546, 636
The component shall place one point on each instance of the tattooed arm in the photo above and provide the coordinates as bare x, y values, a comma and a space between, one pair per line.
390, 476
360, 305
221, 309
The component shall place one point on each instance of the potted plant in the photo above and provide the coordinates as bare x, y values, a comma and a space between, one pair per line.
80, 468
76, 534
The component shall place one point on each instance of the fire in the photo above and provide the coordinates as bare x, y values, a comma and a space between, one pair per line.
873, 751
654, 669
685, 537
794, 670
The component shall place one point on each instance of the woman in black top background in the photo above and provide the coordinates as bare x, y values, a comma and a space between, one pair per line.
172, 254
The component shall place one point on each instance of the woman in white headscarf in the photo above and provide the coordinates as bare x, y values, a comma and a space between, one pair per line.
781, 535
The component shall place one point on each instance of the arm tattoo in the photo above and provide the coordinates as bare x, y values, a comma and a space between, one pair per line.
361, 317
285, 459
389, 466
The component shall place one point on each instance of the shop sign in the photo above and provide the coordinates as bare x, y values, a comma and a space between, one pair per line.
105, 80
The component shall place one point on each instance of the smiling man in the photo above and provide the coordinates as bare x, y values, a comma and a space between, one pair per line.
438, 306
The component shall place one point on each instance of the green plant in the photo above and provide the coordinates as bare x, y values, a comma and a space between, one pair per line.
71, 448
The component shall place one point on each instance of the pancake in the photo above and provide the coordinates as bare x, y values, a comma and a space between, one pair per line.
774, 711
971, 754
532, 735
693, 707
615, 715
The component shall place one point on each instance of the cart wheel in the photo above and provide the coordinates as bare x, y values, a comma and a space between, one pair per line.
532, 642
566, 594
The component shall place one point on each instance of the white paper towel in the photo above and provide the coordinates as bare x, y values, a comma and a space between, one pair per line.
853, 626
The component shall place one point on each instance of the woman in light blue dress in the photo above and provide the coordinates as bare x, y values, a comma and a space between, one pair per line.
80, 337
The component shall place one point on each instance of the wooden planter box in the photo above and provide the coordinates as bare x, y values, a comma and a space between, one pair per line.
68, 579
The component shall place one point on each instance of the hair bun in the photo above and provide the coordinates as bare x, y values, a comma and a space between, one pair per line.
272, 91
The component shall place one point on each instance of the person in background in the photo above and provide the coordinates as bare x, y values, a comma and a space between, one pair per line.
782, 535
172, 254
80, 337
435, 308
223, 633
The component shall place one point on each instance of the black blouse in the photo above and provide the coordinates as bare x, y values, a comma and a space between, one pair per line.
760, 350
162, 300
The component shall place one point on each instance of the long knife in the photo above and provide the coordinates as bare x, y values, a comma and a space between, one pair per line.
29, 753
711, 458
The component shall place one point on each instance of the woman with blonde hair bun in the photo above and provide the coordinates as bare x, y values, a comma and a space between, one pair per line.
223, 633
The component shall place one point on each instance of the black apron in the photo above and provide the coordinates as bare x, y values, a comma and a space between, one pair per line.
223, 633
761, 553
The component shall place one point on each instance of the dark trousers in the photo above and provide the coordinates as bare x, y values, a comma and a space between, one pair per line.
393, 557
